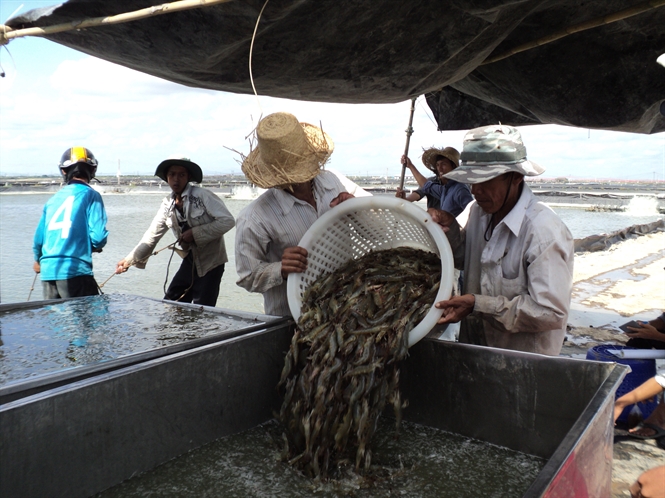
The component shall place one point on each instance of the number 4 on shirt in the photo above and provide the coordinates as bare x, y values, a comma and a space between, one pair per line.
62, 218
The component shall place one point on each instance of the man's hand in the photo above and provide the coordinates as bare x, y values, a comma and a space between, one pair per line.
122, 266
344, 196
37, 267
443, 218
456, 308
294, 260
406, 162
187, 236
646, 331
401, 194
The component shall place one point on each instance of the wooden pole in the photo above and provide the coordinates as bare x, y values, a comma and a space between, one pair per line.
7, 33
409, 132
32, 287
576, 28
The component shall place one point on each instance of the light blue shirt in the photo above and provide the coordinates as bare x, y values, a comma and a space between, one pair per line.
73, 223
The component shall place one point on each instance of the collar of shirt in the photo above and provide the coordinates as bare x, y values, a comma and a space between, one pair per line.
286, 201
185, 192
515, 217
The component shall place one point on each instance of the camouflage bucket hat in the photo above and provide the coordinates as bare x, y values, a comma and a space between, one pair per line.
491, 151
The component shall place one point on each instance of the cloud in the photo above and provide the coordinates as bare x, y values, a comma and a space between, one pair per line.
134, 119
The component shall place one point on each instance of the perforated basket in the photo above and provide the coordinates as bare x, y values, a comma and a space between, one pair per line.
360, 225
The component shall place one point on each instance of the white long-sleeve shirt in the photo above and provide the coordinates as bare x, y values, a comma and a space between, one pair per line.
521, 278
270, 224
209, 220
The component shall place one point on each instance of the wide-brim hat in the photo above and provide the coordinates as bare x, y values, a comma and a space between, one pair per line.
491, 151
195, 173
430, 155
287, 151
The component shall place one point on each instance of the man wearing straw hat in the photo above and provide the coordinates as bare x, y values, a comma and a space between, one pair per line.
288, 161
199, 219
441, 192
516, 253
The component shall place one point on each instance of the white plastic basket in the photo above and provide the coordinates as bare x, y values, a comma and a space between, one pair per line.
360, 225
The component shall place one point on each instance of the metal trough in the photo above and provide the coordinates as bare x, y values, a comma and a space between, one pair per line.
86, 436
237, 323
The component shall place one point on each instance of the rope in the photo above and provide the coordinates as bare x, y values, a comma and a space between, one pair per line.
190, 285
576, 28
7, 33
170, 246
251, 51
32, 287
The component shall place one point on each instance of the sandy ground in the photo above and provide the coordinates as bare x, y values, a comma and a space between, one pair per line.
625, 282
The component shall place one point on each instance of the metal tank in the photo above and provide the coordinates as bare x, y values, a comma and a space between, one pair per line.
87, 434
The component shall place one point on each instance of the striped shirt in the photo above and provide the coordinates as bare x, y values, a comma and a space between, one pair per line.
270, 224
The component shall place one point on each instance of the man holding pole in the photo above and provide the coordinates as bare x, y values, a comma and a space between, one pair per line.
72, 227
446, 194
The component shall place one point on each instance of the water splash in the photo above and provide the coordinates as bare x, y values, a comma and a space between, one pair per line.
246, 192
642, 205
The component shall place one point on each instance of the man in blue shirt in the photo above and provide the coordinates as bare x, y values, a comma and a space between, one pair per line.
442, 193
72, 227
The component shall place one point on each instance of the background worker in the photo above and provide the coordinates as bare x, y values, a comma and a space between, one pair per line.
441, 192
648, 335
288, 161
516, 253
199, 219
651, 483
72, 227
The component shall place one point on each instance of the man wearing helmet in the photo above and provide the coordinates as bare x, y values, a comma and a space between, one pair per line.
72, 227
199, 219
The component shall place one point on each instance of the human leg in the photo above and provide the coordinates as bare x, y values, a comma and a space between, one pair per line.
641, 343
206, 288
85, 285
50, 289
180, 288
653, 424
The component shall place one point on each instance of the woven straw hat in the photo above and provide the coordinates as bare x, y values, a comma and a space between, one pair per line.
429, 156
286, 152
491, 151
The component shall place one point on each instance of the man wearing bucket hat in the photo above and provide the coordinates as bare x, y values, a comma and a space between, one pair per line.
199, 219
288, 161
441, 192
516, 253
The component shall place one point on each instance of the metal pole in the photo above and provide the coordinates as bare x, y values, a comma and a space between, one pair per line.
409, 132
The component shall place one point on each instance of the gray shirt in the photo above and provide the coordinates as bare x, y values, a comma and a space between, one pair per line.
521, 278
270, 224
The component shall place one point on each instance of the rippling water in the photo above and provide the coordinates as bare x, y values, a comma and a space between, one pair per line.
130, 215
422, 462
80, 332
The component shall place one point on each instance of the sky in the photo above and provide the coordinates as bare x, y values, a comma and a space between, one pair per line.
53, 97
